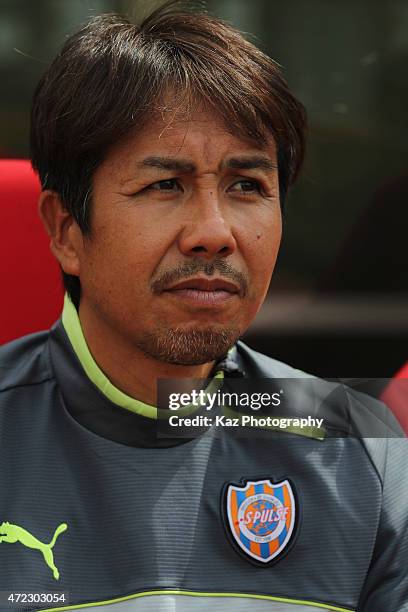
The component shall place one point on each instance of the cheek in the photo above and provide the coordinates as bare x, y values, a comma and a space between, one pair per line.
262, 253
120, 259
264, 246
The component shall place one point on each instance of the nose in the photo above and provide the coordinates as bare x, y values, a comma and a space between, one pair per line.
206, 232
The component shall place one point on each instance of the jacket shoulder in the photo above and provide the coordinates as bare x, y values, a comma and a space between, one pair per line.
25, 361
345, 410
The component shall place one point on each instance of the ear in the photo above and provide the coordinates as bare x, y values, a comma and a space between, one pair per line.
66, 237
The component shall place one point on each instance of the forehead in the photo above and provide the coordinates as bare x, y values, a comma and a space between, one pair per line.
203, 138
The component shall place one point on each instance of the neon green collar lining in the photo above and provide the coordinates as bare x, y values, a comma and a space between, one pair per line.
199, 595
72, 326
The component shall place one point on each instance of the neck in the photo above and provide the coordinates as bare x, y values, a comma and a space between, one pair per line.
126, 366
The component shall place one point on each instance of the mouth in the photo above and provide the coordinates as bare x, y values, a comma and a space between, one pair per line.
204, 292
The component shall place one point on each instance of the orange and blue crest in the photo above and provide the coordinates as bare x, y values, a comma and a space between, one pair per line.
261, 518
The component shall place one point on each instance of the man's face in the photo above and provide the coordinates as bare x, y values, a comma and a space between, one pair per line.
185, 231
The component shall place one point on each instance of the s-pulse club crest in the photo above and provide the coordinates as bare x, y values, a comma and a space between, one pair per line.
261, 517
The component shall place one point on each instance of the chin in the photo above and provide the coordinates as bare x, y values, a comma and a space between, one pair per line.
189, 347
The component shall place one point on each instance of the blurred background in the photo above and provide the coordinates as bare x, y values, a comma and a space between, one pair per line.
338, 303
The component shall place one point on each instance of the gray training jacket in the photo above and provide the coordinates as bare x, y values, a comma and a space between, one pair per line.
261, 520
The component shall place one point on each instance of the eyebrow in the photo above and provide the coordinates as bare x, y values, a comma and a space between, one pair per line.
250, 162
247, 162
168, 163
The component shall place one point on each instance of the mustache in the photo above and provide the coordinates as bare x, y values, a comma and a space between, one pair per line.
196, 266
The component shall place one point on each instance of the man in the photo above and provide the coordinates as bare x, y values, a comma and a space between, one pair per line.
165, 152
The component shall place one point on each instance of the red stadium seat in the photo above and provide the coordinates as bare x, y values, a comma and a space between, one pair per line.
32, 293
395, 395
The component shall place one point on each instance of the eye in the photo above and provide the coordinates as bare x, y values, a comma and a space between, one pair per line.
165, 186
246, 187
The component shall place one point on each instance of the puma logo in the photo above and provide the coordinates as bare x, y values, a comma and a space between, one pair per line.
13, 533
